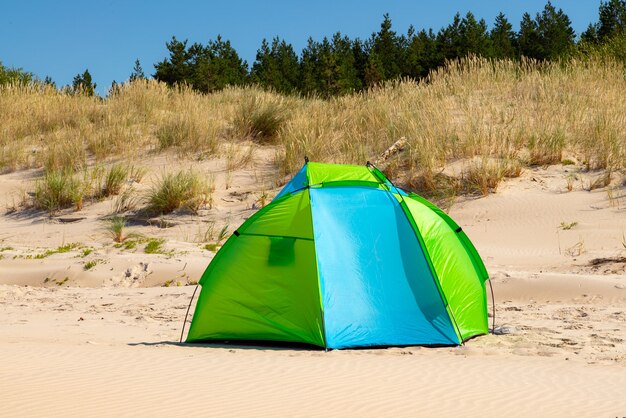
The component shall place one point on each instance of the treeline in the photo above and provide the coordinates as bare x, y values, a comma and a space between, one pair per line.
339, 65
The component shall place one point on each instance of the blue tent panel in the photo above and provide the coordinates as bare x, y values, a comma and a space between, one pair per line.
298, 182
380, 290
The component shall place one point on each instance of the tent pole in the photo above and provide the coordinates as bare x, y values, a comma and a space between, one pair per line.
493, 309
187, 314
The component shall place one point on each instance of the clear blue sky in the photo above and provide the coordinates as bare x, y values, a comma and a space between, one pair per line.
62, 38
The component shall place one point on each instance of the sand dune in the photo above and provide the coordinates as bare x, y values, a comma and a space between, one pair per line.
104, 342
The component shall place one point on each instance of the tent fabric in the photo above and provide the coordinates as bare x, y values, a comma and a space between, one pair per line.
342, 258
368, 255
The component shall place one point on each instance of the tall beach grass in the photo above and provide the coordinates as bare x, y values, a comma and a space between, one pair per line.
508, 113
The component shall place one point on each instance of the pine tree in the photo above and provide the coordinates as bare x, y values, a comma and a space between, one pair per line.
385, 44
590, 35
502, 38
528, 39
276, 66
347, 76
83, 84
49, 82
114, 89
474, 38
421, 54
555, 32
14, 75
174, 70
137, 73
309, 77
449, 41
288, 66
612, 21
204, 68
374, 71
360, 60
225, 67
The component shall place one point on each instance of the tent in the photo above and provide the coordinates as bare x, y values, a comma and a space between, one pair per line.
342, 258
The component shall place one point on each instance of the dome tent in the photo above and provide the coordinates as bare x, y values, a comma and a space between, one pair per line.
342, 258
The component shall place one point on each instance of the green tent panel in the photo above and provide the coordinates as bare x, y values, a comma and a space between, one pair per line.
342, 258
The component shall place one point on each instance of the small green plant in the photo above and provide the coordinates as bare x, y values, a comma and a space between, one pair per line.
154, 246
185, 189
58, 250
92, 263
129, 244
211, 247
46, 280
6, 249
567, 225
222, 234
86, 252
568, 162
62, 282
168, 283
115, 228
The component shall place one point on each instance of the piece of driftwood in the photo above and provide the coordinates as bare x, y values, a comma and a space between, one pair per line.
70, 219
395, 148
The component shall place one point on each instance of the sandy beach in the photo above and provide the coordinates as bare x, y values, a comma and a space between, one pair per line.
103, 341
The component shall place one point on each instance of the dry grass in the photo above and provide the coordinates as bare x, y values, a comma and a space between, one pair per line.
525, 113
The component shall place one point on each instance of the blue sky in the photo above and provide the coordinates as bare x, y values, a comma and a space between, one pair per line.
62, 38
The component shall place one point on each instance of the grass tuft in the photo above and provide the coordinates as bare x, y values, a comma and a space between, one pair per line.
259, 120
115, 228
58, 190
115, 179
185, 189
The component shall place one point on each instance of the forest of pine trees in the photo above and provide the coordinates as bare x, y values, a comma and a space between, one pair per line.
338, 65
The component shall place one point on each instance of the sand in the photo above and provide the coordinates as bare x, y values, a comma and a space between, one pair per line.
104, 342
